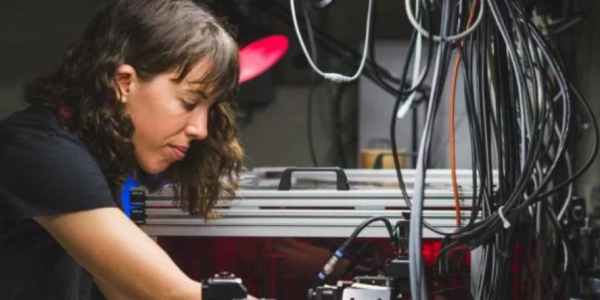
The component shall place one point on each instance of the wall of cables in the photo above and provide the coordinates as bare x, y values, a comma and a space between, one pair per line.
522, 110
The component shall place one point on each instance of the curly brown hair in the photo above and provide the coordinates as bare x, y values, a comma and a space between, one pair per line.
153, 36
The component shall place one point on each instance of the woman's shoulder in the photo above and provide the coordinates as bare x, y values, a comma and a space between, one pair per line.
35, 138
37, 127
39, 161
34, 118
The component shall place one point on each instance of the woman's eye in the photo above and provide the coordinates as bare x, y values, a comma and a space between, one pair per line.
188, 105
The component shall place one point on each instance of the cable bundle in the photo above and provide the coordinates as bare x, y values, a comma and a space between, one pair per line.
520, 109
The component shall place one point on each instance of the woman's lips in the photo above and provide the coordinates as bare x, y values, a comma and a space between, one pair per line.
179, 152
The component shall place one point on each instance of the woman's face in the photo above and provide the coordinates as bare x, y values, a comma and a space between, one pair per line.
167, 114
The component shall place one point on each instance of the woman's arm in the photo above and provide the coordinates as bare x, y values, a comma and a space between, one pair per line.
124, 261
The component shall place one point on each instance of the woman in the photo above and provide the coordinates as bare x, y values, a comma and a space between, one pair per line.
146, 91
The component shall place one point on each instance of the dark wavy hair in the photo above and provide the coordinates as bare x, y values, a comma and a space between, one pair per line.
153, 36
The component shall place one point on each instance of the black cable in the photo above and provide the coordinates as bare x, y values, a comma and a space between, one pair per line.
562, 238
511, 75
372, 54
313, 82
341, 251
474, 133
520, 184
594, 152
338, 126
536, 151
414, 135
397, 103
416, 265
282, 11
377, 71
342, 51
309, 130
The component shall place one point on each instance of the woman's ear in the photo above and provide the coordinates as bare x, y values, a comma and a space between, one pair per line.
125, 78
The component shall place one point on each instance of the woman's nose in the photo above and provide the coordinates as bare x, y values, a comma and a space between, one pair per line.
197, 128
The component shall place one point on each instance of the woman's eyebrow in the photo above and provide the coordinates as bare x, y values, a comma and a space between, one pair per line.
198, 92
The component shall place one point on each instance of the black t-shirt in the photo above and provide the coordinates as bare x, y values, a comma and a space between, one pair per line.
44, 170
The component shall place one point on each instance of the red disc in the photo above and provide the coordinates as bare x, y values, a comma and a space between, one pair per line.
258, 56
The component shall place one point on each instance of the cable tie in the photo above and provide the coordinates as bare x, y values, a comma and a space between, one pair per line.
502, 254
504, 220
335, 77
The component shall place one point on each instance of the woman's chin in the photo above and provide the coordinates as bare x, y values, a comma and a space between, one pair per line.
154, 169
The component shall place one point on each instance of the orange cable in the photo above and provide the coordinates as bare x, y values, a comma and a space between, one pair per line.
452, 138
453, 143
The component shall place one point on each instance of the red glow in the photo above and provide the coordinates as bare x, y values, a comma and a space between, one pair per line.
258, 56
430, 249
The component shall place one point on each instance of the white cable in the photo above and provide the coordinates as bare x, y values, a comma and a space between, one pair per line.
566, 251
335, 76
563, 210
504, 220
309, 30
564, 244
416, 68
478, 287
418, 286
437, 38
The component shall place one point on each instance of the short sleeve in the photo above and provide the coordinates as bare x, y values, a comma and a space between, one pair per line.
47, 172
